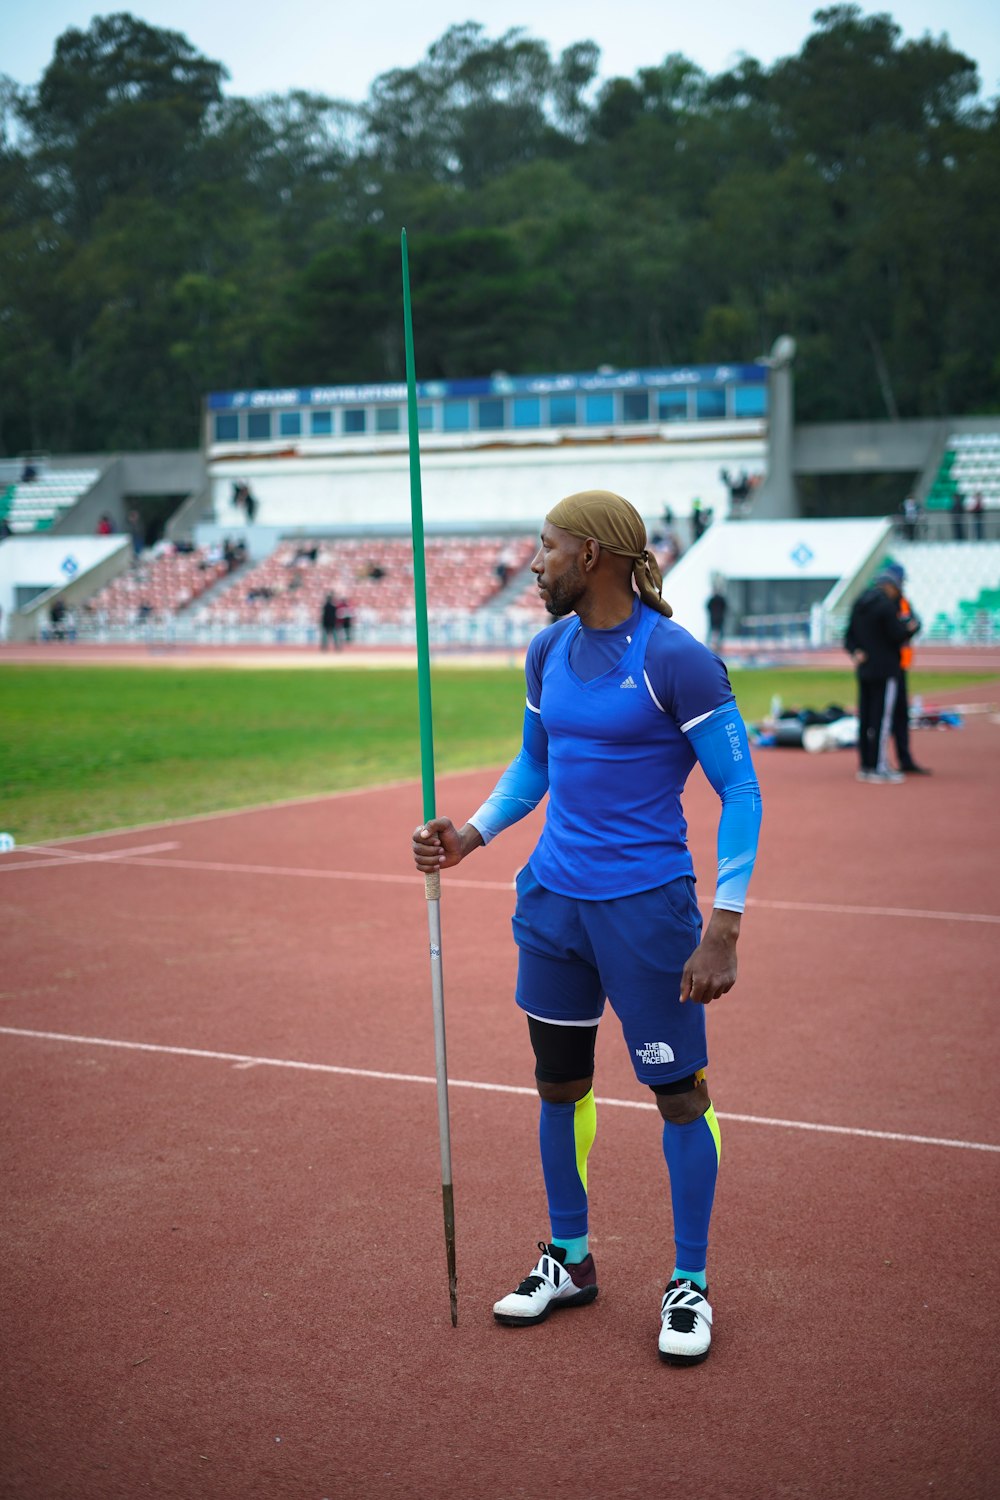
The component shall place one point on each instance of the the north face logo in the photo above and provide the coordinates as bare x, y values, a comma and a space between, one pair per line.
629, 681
652, 1053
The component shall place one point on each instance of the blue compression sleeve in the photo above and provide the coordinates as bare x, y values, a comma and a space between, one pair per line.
521, 787
719, 740
692, 1154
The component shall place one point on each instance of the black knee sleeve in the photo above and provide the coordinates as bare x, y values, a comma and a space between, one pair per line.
562, 1053
676, 1085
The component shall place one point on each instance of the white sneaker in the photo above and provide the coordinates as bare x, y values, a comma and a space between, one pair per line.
685, 1324
550, 1285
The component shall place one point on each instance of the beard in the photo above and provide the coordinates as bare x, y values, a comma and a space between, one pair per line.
565, 593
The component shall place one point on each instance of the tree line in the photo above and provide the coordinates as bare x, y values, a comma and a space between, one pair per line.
159, 239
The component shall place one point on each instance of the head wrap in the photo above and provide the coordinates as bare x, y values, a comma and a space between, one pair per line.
619, 528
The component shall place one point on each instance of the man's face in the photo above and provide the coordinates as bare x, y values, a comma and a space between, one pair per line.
561, 580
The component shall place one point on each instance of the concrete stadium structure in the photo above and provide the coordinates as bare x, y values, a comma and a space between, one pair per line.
331, 462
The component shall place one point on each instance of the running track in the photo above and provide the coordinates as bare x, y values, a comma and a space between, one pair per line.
223, 1244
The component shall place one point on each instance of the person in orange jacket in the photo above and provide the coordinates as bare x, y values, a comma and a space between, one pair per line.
901, 708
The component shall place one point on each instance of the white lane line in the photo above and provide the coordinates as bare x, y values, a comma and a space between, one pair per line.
244, 1061
876, 911
277, 805
62, 858
222, 867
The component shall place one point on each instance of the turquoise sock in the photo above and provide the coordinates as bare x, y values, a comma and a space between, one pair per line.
576, 1249
698, 1277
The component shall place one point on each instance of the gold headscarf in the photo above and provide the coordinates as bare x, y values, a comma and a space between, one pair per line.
619, 528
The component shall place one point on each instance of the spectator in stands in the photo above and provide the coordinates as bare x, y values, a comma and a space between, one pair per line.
144, 612
901, 708
28, 473
739, 486
911, 518
5, 530
136, 531
958, 517
875, 632
697, 519
244, 499
976, 512
717, 607
62, 622
328, 622
506, 563
374, 570
57, 620
105, 526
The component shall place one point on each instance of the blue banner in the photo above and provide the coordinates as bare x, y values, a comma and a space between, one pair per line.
492, 385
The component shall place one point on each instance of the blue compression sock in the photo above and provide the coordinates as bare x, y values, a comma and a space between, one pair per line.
565, 1136
692, 1154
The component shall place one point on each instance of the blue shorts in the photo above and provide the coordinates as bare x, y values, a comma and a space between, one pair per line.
572, 955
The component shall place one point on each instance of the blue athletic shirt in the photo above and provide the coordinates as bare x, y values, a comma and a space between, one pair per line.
614, 722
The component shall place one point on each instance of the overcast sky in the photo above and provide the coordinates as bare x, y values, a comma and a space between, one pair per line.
339, 48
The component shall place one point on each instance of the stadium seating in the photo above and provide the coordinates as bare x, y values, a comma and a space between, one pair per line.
36, 504
155, 588
973, 621
955, 587
970, 463
287, 590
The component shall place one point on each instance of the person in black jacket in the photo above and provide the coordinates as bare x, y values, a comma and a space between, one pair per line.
328, 624
875, 633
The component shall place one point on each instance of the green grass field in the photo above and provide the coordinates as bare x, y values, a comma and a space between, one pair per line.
88, 748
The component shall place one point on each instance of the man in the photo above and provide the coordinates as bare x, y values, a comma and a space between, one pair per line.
328, 624
621, 701
875, 632
901, 708
717, 607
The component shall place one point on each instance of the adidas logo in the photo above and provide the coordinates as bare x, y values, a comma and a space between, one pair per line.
629, 682
652, 1053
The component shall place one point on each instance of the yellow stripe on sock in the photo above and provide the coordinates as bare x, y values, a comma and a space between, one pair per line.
713, 1126
584, 1131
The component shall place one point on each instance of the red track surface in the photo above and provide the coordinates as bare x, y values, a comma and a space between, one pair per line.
227, 1279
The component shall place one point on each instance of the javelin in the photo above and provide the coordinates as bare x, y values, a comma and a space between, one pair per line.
432, 883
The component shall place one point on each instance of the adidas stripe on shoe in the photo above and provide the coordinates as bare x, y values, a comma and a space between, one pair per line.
685, 1324
551, 1284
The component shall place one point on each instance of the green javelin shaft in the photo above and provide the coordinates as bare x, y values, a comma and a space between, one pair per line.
432, 883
